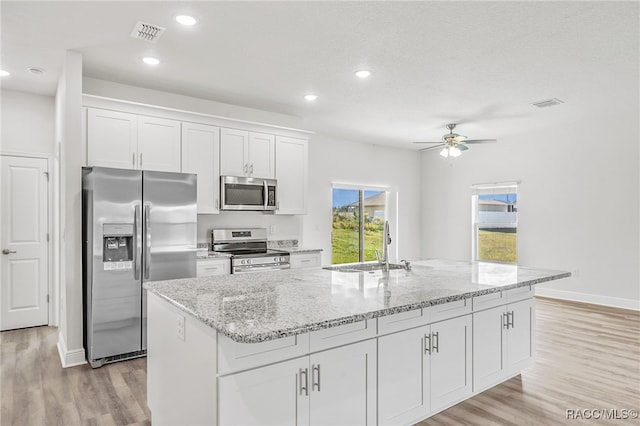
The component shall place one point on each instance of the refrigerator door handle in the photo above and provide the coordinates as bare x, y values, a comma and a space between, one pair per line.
137, 241
147, 233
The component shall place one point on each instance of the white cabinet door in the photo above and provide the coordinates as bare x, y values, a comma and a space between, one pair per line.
270, 395
403, 391
112, 139
158, 144
489, 349
342, 385
520, 345
292, 164
261, 156
200, 155
450, 361
234, 145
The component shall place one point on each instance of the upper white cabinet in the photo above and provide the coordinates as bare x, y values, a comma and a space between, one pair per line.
112, 139
247, 154
292, 168
123, 140
200, 155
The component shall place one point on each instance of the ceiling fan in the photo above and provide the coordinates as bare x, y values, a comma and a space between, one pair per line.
454, 143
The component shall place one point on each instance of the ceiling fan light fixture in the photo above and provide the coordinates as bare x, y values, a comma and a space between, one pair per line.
445, 152
454, 152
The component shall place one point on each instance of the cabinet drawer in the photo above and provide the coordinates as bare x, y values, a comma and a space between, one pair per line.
449, 310
342, 335
520, 293
402, 321
306, 260
488, 301
207, 268
234, 356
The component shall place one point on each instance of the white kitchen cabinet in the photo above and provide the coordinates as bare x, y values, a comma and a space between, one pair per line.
112, 139
201, 156
336, 386
292, 168
423, 370
502, 342
273, 395
211, 267
305, 260
123, 140
247, 154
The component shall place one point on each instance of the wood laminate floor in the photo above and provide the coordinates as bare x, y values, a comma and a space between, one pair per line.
588, 358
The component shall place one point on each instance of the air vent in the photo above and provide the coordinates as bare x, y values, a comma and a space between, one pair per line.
147, 32
548, 103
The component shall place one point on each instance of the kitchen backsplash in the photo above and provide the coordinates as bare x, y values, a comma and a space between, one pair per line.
279, 227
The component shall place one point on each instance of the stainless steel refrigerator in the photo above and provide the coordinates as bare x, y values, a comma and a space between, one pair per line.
138, 226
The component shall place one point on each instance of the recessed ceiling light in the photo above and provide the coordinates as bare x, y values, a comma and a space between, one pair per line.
310, 97
186, 20
363, 73
4, 73
36, 71
150, 60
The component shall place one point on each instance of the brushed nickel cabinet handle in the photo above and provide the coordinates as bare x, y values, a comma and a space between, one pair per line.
304, 386
510, 319
133, 159
505, 320
436, 342
315, 382
140, 160
427, 344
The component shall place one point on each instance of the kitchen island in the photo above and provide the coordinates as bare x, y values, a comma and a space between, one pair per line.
325, 347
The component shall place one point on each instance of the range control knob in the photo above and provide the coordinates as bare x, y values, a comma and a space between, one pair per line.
248, 261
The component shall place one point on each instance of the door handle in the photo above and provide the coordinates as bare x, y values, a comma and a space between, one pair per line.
505, 320
147, 233
436, 341
7, 251
265, 191
133, 160
304, 386
427, 344
510, 319
315, 383
137, 241
251, 169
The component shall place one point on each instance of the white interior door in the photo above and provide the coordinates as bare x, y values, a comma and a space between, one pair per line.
23, 297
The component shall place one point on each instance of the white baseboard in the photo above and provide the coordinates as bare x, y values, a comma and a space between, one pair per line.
615, 302
69, 358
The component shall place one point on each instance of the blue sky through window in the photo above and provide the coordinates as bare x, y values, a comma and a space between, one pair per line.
507, 198
343, 197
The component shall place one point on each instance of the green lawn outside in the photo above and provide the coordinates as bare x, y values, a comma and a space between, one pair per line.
497, 246
344, 245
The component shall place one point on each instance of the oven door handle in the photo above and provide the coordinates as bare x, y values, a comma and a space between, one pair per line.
265, 190
255, 268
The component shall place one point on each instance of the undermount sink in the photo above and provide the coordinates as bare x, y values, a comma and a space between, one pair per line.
362, 267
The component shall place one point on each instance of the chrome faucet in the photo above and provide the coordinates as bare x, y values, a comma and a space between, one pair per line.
385, 246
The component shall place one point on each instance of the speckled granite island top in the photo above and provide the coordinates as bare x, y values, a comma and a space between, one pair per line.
257, 307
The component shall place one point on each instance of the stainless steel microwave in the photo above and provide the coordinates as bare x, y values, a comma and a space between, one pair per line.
244, 193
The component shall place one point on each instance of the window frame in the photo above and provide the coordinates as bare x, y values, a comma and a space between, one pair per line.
487, 189
389, 198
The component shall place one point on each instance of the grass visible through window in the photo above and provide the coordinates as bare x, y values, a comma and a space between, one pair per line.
498, 245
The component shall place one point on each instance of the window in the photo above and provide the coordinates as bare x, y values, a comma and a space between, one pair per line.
358, 224
495, 222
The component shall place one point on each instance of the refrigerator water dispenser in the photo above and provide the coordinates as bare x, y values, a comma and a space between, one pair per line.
117, 246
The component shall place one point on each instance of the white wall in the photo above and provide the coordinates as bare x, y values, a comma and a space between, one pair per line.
337, 161
28, 124
72, 153
577, 204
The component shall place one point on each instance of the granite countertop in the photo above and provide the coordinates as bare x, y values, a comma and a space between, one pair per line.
252, 308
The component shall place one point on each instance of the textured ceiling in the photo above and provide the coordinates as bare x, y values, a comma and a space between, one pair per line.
480, 64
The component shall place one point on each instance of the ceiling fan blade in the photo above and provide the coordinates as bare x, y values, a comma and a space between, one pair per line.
439, 142
432, 147
480, 141
461, 147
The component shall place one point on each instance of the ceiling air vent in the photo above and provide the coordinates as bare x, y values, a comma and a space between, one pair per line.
548, 103
147, 32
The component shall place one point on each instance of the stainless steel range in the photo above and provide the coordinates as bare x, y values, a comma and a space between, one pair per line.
248, 250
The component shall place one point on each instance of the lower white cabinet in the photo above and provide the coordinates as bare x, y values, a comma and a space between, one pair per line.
211, 267
304, 260
423, 370
503, 342
336, 386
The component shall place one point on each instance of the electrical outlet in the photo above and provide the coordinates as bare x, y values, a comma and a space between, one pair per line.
272, 229
180, 324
